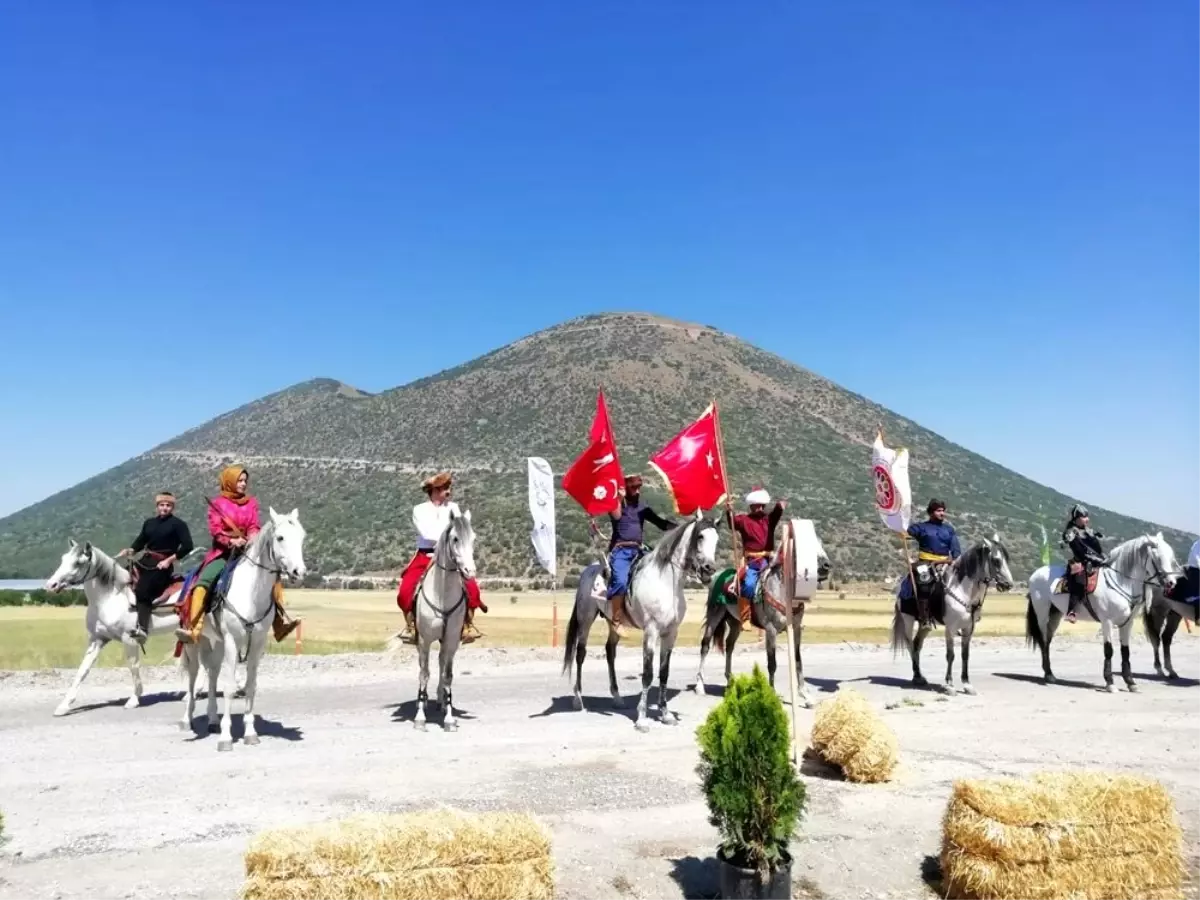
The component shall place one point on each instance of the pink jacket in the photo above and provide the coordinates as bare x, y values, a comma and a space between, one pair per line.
244, 517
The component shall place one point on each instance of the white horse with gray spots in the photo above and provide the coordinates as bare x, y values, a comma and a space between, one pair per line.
111, 612
238, 625
955, 603
655, 604
1114, 603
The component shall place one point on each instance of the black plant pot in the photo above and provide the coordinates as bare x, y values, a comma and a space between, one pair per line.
738, 883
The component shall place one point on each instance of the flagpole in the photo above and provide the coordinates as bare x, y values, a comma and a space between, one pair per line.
789, 592
737, 587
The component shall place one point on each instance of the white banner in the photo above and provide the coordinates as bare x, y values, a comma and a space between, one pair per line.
806, 548
893, 495
541, 507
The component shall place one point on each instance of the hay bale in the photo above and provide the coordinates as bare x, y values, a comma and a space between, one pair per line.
848, 733
414, 856
1082, 835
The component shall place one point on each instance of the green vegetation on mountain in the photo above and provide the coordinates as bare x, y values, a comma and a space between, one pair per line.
352, 462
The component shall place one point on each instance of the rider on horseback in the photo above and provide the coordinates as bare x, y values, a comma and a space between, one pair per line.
165, 540
1187, 588
757, 532
430, 520
1087, 555
233, 523
937, 546
625, 545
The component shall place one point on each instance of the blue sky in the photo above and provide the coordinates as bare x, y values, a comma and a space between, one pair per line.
979, 215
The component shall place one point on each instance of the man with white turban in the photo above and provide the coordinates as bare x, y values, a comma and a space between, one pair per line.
756, 529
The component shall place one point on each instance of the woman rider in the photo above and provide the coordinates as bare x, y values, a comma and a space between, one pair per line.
233, 523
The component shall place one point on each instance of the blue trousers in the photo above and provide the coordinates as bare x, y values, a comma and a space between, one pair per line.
906, 588
621, 561
750, 580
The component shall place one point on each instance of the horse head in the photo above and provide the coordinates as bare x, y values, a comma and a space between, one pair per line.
287, 543
74, 568
460, 542
702, 548
998, 572
1162, 567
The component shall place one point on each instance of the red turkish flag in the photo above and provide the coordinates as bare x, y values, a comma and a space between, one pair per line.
691, 465
594, 477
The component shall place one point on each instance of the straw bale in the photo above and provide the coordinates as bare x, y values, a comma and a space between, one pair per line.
850, 734
1085, 835
414, 856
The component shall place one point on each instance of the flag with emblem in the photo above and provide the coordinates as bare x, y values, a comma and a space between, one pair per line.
541, 508
593, 479
893, 495
691, 465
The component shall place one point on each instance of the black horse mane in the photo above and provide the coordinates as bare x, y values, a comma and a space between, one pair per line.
666, 548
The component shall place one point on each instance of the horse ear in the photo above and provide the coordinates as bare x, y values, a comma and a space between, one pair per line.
71, 543
271, 512
1159, 536
294, 514
467, 516
995, 537
87, 548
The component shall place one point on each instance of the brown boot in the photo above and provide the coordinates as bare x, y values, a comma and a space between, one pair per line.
744, 609
282, 626
469, 631
617, 613
409, 634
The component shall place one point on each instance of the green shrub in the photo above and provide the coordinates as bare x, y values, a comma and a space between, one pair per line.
754, 796
42, 597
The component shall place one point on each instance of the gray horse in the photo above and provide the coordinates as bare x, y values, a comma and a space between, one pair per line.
1161, 618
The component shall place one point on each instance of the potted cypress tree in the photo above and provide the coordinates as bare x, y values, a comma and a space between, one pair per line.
755, 799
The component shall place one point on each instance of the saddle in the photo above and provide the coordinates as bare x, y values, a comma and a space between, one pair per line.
929, 588
162, 599
1062, 585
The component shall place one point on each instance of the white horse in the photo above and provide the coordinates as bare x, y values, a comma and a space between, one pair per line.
1134, 564
655, 604
440, 605
238, 625
723, 624
1160, 619
956, 603
111, 613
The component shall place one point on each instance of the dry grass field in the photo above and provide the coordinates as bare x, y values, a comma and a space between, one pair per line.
347, 621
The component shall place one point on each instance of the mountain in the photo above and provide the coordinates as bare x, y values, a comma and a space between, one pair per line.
353, 462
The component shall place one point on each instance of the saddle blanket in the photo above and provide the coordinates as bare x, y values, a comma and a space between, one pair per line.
1063, 585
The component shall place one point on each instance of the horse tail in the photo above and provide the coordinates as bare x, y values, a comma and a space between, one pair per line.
900, 639
1033, 628
586, 581
1149, 626
718, 635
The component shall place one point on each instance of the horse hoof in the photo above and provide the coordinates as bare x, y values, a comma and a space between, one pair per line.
62, 709
132, 703
251, 740
1159, 672
420, 726
577, 703
1111, 688
1173, 675
698, 687
450, 726
920, 682
670, 719
1049, 679
184, 726
948, 689
224, 746
641, 726
1133, 688
968, 689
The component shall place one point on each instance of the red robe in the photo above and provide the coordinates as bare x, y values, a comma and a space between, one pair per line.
411, 577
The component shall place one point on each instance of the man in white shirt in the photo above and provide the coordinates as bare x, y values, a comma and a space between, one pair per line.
430, 519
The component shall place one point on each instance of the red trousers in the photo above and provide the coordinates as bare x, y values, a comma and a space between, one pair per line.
411, 577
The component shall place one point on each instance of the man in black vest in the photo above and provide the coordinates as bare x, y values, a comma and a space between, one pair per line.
165, 540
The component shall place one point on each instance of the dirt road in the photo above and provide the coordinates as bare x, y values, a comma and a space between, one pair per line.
115, 803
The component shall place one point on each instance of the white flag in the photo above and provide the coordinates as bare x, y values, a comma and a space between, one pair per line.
893, 495
541, 507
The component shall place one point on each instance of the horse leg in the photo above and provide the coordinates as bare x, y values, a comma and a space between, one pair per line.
85, 666
254, 654
132, 658
797, 631
1168, 634
706, 639
1154, 626
1126, 668
585, 627
446, 680
918, 642
664, 671
191, 662
1053, 620
212, 666
610, 656
948, 687
230, 661
422, 681
641, 723
968, 633
731, 639
1107, 628
770, 638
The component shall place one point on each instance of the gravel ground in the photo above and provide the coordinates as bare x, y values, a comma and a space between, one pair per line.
108, 802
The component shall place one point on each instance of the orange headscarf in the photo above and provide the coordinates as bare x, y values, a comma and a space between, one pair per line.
229, 479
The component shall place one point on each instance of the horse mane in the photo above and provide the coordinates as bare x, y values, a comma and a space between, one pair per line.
262, 542
1138, 547
108, 574
975, 564
665, 550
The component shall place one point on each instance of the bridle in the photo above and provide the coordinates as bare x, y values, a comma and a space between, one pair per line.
443, 546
